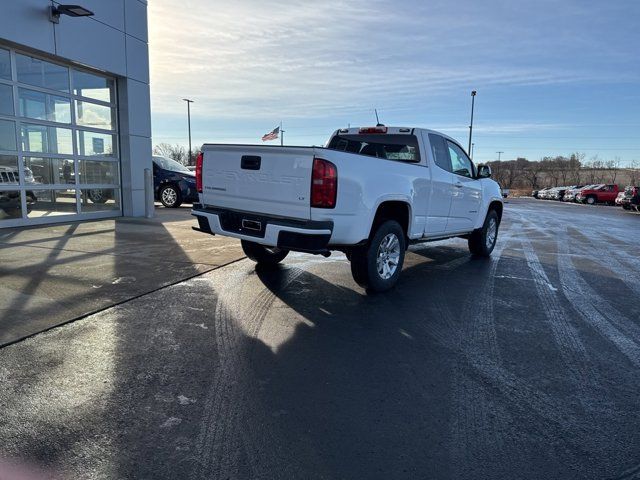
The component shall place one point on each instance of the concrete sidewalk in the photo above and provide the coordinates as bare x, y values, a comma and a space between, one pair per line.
50, 275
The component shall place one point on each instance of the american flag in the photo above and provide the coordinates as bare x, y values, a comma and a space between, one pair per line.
272, 135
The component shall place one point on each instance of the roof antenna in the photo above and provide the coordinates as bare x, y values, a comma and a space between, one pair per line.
377, 119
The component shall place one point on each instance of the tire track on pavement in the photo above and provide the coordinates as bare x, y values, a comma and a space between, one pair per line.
221, 440
477, 437
595, 310
582, 372
607, 258
475, 426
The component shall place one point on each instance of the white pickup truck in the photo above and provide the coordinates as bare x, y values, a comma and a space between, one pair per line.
369, 193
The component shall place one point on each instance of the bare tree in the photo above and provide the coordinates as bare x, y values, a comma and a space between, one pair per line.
595, 170
634, 172
550, 167
576, 164
174, 152
613, 166
499, 172
564, 168
533, 172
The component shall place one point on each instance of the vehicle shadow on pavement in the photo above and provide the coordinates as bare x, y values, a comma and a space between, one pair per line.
79, 397
361, 388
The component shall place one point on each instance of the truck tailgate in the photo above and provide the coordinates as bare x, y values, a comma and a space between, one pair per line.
274, 181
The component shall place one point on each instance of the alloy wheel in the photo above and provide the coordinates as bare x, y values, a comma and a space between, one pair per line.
388, 256
492, 233
169, 196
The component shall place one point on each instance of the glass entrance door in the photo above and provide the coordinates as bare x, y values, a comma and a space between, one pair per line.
59, 156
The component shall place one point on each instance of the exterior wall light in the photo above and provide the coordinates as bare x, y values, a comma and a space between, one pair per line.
71, 10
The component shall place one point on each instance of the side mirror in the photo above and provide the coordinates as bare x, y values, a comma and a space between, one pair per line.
484, 171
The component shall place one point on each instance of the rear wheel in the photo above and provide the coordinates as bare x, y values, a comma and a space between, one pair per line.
263, 255
483, 240
377, 265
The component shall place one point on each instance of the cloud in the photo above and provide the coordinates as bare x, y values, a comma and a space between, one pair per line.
249, 59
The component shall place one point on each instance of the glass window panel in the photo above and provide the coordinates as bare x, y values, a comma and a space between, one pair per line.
5, 64
42, 74
439, 151
49, 203
10, 204
92, 172
9, 174
33, 104
6, 99
49, 171
460, 163
92, 144
43, 106
42, 139
93, 115
99, 200
93, 86
8, 135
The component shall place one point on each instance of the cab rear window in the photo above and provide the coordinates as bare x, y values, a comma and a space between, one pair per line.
403, 148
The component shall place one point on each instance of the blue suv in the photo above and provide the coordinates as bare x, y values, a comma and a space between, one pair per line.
173, 183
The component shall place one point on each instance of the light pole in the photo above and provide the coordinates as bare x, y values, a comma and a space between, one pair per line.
189, 102
472, 147
473, 99
499, 153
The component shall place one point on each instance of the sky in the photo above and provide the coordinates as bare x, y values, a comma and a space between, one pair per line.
553, 77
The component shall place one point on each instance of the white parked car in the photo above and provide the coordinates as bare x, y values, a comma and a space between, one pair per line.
369, 193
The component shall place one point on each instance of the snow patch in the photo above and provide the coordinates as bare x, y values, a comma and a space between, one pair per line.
171, 422
185, 400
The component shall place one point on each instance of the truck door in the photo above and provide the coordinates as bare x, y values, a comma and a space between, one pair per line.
439, 202
467, 191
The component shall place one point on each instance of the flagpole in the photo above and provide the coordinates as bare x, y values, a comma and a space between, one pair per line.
281, 135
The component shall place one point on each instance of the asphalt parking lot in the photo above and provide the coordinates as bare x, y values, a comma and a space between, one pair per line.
526, 365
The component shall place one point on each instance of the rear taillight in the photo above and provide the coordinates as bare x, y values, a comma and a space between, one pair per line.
324, 184
199, 173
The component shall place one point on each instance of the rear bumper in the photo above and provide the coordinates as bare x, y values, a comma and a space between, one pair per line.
290, 234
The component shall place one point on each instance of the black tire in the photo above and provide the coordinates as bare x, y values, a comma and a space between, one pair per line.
98, 195
170, 196
364, 260
590, 200
480, 243
626, 207
268, 256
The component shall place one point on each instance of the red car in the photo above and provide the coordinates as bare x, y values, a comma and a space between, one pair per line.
599, 194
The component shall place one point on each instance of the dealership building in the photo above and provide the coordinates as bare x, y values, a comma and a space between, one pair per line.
75, 123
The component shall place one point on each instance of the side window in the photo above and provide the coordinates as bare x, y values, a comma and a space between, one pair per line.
460, 163
439, 151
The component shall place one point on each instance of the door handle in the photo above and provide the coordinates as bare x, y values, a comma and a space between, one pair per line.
458, 185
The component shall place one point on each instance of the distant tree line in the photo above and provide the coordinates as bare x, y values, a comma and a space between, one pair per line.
176, 152
562, 171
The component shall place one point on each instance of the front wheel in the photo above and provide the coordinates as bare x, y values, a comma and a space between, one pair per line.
170, 196
97, 195
263, 255
483, 240
591, 200
377, 265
